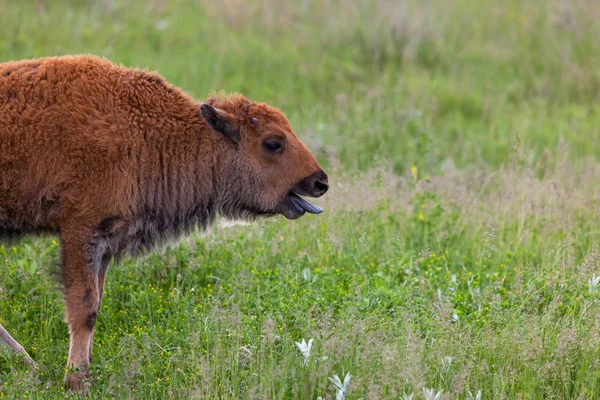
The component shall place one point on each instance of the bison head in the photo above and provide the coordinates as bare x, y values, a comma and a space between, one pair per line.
264, 169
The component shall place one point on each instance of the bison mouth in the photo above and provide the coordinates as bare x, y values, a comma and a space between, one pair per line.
294, 206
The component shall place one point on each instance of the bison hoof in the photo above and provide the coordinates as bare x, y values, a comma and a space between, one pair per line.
78, 382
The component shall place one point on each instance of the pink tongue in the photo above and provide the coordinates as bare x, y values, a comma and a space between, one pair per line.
302, 204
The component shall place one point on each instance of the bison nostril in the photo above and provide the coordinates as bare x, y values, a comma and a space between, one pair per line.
321, 187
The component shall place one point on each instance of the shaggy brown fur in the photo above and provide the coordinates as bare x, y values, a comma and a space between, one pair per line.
113, 160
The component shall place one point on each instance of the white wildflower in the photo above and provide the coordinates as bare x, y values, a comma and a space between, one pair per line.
407, 396
593, 283
305, 349
341, 388
447, 361
477, 396
161, 25
308, 276
430, 394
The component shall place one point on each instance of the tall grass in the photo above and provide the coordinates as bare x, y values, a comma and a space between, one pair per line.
459, 248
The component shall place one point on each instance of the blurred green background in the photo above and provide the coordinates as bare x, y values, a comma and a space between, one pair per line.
458, 250
373, 81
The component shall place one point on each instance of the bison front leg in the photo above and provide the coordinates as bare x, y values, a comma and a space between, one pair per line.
81, 267
101, 279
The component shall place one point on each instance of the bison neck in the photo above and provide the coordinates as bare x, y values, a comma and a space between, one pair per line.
176, 191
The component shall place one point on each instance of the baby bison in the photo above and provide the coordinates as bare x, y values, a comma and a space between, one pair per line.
114, 160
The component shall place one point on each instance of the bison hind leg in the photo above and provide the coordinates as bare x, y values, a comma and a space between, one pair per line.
13, 345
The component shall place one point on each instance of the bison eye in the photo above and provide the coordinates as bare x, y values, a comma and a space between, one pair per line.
273, 146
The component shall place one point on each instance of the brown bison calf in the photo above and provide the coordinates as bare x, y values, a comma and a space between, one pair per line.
114, 160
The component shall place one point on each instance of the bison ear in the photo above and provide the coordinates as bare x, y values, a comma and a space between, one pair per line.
220, 121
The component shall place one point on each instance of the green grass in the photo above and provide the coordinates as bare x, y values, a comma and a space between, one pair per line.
461, 230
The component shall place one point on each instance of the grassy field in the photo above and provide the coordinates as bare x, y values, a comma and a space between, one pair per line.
459, 247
